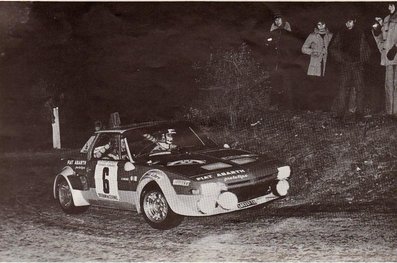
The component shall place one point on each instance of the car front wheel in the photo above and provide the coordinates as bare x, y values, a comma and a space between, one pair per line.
65, 199
157, 211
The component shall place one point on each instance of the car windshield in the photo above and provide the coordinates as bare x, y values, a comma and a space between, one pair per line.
165, 138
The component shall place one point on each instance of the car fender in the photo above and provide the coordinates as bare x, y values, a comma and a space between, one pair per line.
162, 180
78, 195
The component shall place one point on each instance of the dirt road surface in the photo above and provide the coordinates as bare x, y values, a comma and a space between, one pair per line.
49, 235
33, 228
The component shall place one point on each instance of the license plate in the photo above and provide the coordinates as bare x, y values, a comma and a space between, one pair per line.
247, 203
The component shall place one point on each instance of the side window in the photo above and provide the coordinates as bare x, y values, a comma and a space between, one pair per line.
152, 142
139, 145
107, 147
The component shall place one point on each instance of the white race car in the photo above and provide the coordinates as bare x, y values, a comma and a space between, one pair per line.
166, 170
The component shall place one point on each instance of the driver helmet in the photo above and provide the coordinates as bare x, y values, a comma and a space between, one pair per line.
167, 137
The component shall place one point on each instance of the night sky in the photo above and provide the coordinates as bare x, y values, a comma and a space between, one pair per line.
135, 58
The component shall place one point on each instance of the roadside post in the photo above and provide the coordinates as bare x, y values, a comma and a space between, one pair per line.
56, 133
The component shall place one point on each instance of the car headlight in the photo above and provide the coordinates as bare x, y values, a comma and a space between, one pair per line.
206, 205
228, 200
282, 187
283, 172
209, 194
212, 189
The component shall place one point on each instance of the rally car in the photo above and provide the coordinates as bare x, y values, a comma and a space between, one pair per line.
166, 171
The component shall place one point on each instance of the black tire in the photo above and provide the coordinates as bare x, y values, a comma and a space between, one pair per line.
156, 210
65, 198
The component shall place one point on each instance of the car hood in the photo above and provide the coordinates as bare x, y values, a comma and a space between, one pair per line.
209, 164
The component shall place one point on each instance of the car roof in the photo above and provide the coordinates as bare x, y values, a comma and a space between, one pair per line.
124, 128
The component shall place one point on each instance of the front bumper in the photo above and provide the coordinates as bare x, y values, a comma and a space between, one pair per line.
199, 205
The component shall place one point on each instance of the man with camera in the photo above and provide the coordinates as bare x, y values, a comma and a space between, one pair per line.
385, 34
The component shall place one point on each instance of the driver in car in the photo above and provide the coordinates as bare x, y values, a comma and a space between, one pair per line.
165, 143
114, 152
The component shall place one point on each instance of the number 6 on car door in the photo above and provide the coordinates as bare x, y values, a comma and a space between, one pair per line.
106, 180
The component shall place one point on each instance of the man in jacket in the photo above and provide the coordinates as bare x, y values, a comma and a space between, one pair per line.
351, 51
385, 34
316, 46
280, 46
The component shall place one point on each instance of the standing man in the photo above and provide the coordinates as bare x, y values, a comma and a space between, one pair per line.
351, 51
279, 23
316, 46
385, 34
280, 46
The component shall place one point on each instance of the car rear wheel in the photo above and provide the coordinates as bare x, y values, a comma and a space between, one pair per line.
156, 210
65, 199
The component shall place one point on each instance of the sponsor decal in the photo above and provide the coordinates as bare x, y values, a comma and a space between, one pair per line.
247, 203
79, 163
235, 177
134, 178
235, 172
186, 162
107, 163
108, 196
80, 167
129, 179
181, 182
204, 177
154, 176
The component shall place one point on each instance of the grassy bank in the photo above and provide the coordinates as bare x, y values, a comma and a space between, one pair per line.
348, 165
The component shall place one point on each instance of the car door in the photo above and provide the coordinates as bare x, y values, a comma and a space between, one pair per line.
106, 180
129, 174
112, 181
103, 170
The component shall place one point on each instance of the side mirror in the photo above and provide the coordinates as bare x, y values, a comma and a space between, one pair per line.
128, 166
226, 146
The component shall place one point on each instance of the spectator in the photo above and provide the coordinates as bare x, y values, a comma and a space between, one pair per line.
279, 23
316, 46
280, 44
385, 34
351, 51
